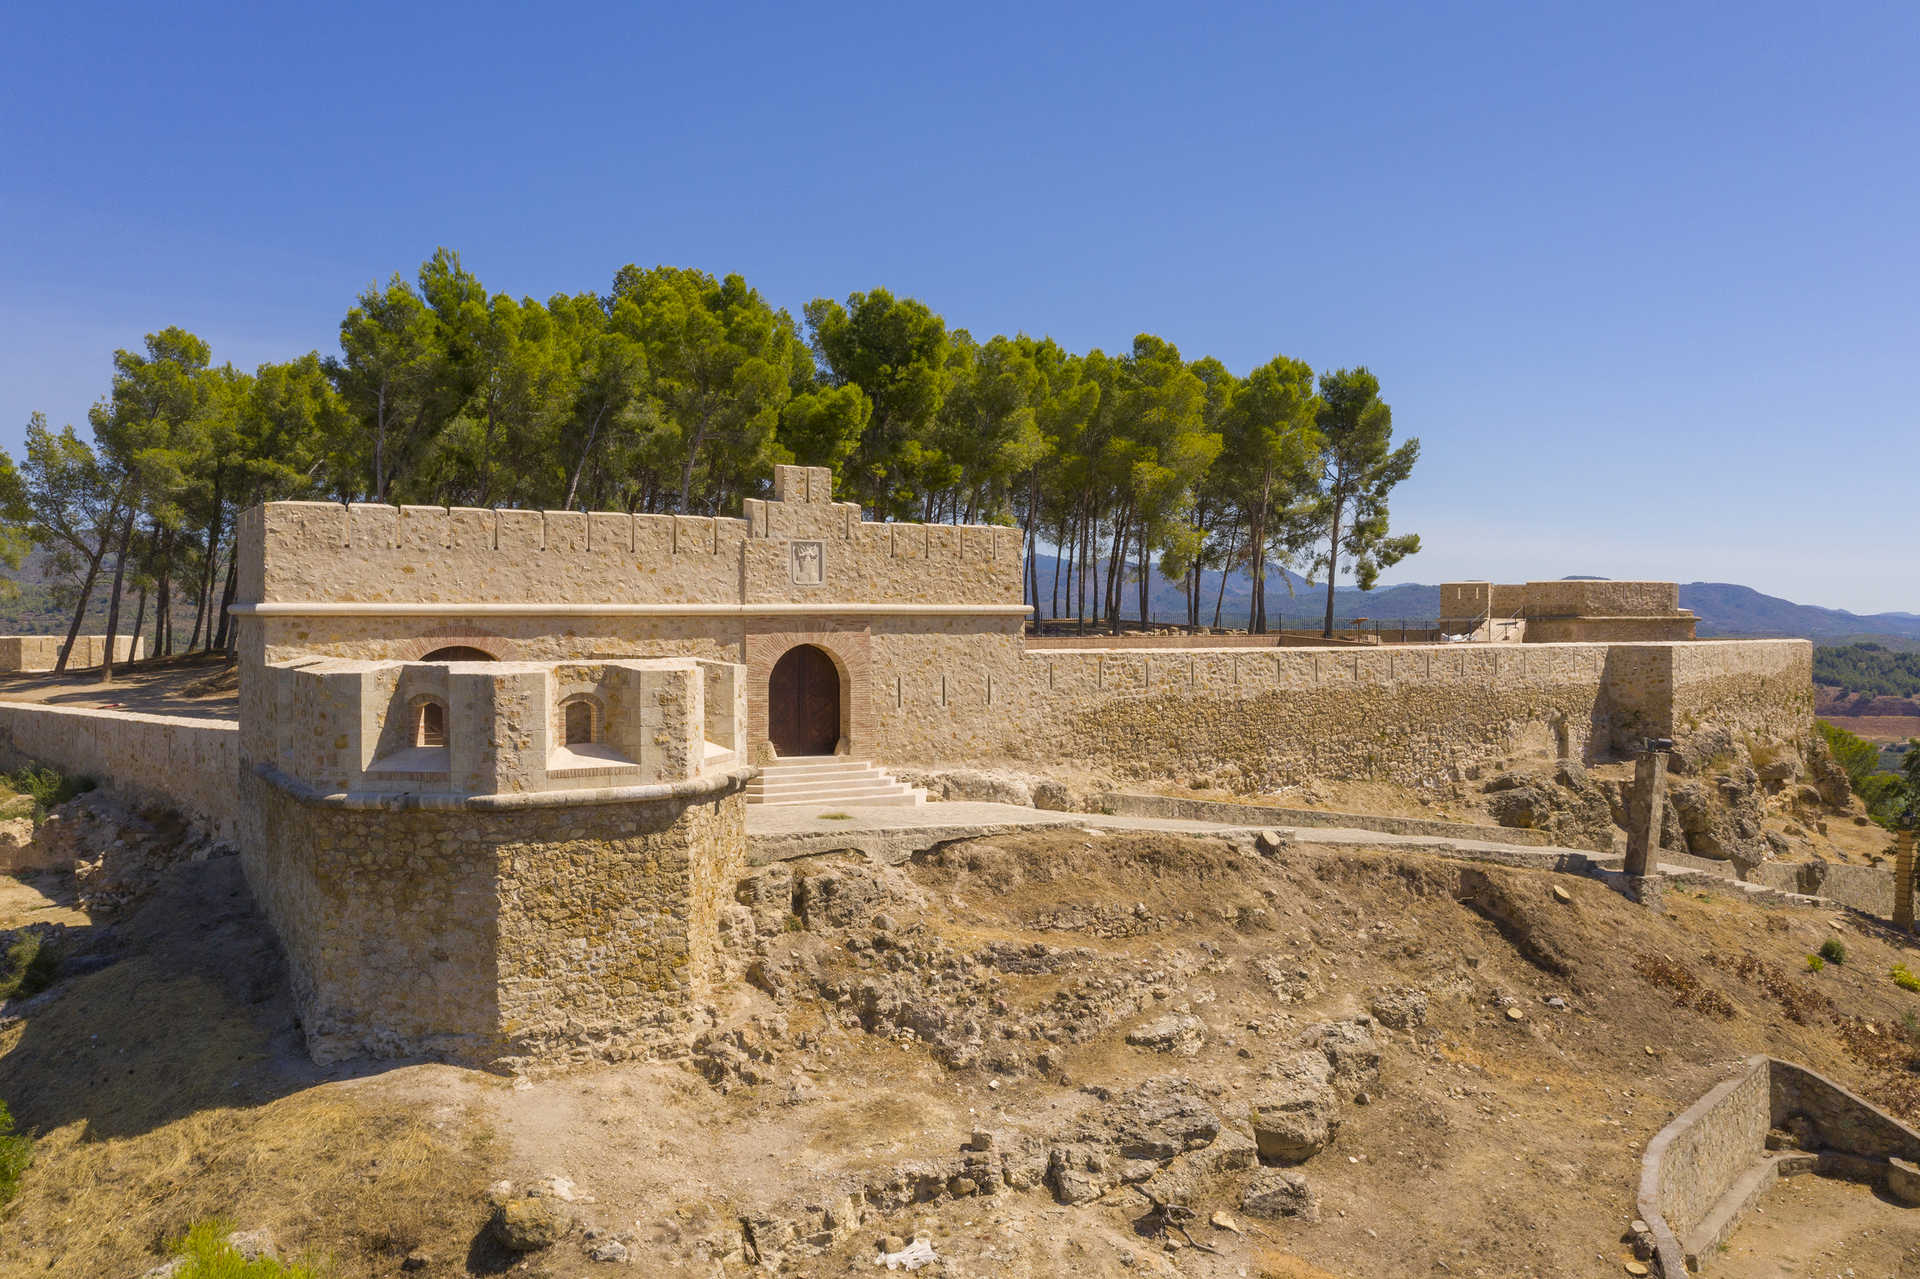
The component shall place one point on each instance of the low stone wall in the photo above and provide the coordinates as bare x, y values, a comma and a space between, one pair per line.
1868, 889
42, 652
501, 934
1865, 888
1127, 804
185, 763
1705, 1169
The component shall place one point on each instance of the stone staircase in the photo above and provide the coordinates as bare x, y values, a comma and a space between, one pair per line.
830, 779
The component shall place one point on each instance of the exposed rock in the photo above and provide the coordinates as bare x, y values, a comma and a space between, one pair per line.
1187, 1178
1350, 1048
1163, 1117
606, 1250
1399, 1007
1173, 1033
1295, 1113
1565, 803
1290, 985
840, 896
1074, 1173
768, 893
1824, 773
1280, 1192
528, 1223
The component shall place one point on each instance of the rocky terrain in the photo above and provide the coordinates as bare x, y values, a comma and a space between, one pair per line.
1057, 1053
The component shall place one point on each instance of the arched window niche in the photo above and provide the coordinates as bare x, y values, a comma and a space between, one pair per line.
429, 723
579, 722
416, 746
579, 738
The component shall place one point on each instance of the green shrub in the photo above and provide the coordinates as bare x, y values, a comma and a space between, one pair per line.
1904, 979
1815, 963
29, 967
48, 787
1833, 950
206, 1254
16, 1152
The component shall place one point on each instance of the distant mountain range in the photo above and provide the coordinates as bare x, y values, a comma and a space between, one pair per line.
1725, 610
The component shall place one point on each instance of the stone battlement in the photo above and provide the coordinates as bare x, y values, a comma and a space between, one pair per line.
791, 550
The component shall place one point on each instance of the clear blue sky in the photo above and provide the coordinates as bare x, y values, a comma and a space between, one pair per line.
1642, 278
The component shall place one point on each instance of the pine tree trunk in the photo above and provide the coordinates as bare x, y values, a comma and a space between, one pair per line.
225, 640
1226, 567
80, 608
113, 601
1333, 570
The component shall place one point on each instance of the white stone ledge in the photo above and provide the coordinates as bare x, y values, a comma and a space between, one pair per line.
402, 609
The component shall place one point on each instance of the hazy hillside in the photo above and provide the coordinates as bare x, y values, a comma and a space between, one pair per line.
1724, 609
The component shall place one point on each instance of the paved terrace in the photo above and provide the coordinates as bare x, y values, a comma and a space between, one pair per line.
779, 832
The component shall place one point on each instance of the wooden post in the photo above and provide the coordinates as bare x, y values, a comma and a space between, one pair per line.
1903, 882
1648, 807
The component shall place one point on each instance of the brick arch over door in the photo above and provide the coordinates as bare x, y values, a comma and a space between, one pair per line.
850, 648
502, 648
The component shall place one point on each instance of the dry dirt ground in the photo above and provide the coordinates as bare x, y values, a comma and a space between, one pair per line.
165, 1082
201, 685
1820, 1228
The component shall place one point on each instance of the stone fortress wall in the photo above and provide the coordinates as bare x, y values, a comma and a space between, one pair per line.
1418, 714
182, 762
923, 624
487, 775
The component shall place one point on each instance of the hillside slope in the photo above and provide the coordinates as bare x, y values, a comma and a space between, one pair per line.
1038, 1052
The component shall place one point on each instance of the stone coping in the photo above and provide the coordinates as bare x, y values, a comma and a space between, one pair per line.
703, 786
403, 608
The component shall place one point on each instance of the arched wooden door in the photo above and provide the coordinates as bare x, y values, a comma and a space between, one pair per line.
803, 703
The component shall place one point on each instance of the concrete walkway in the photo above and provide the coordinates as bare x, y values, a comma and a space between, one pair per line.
780, 832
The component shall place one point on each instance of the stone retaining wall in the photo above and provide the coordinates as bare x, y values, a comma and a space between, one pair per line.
185, 763
1705, 1169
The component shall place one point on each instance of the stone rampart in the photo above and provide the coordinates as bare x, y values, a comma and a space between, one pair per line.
1418, 714
184, 763
498, 863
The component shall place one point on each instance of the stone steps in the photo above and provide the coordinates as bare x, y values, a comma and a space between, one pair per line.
830, 779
